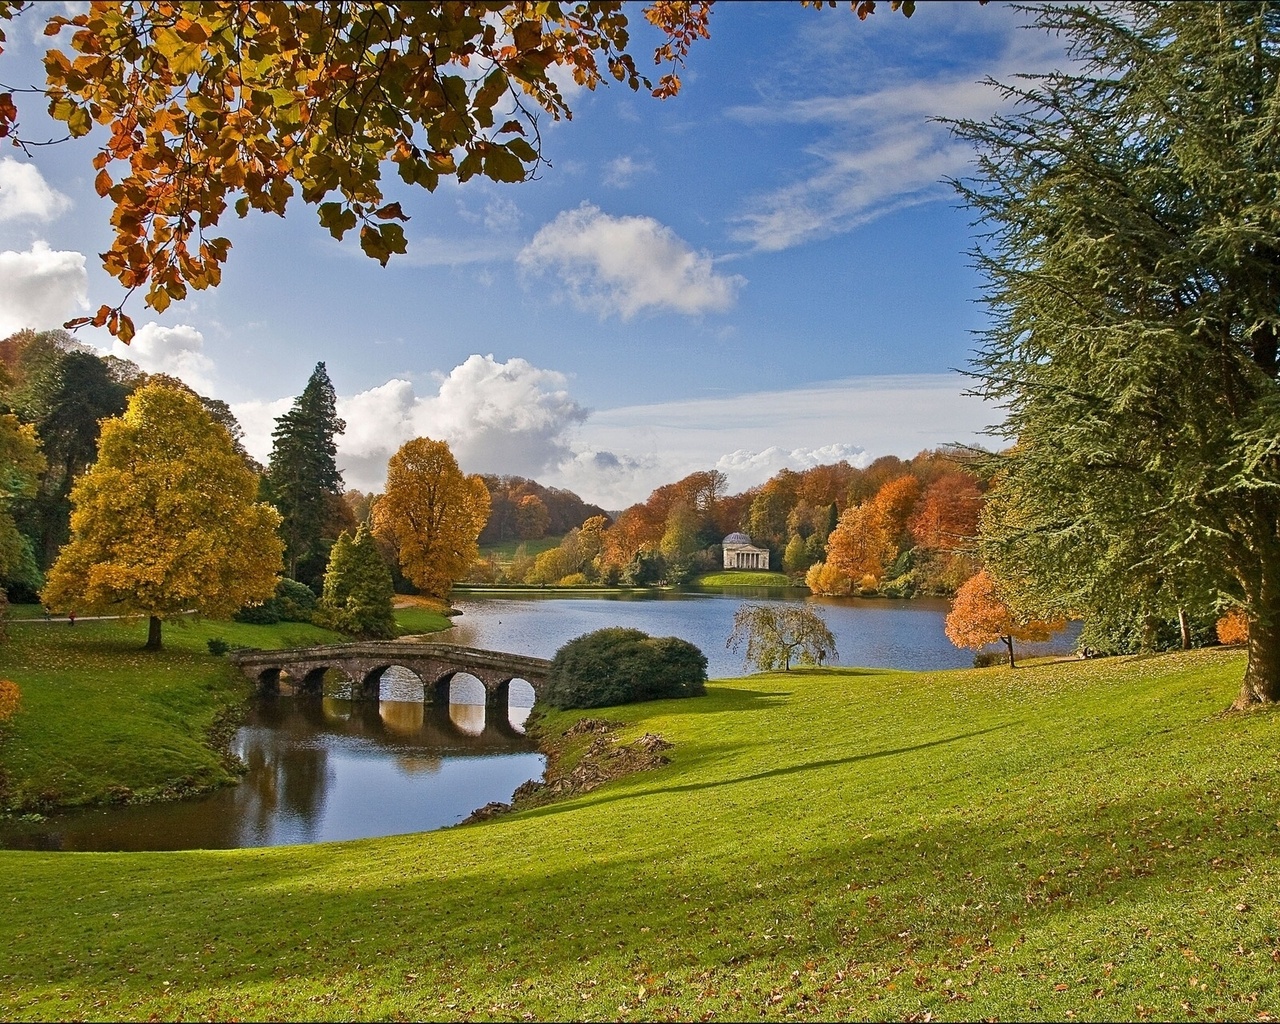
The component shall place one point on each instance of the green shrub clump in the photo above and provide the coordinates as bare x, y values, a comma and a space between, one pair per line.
292, 602
621, 666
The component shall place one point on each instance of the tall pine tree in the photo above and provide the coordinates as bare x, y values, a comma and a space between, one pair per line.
303, 481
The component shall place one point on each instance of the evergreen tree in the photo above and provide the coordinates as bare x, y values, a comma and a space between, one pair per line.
357, 587
303, 480
1131, 241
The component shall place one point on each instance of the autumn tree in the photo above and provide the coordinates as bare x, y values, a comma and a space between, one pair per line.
357, 587
531, 517
979, 616
303, 481
165, 521
861, 544
247, 105
1129, 238
776, 634
432, 513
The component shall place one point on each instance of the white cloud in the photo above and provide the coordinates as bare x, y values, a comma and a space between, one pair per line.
626, 265
177, 351
625, 453
510, 418
40, 288
621, 172
25, 194
879, 150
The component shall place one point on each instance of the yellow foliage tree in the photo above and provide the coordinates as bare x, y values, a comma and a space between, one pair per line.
825, 578
861, 544
165, 521
432, 514
979, 617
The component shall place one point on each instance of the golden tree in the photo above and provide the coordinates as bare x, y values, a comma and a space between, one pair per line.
861, 544
432, 514
979, 617
166, 520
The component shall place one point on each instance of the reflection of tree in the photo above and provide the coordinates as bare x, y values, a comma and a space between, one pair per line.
420, 763
286, 778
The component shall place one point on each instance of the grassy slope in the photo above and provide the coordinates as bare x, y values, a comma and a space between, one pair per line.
1095, 839
99, 714
744, 578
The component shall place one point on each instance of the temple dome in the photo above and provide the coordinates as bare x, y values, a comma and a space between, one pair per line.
736, 538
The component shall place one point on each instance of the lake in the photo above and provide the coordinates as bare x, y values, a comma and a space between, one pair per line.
870, 632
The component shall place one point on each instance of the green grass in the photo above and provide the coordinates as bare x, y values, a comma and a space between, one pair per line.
745, 578
414, 620
1095, 840
504, 552
100, 716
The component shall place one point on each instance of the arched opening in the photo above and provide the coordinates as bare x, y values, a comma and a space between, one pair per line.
514, 700
312, 684
269, 682
392, 682
465, 696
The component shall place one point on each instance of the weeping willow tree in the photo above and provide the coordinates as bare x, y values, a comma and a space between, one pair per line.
1131, 246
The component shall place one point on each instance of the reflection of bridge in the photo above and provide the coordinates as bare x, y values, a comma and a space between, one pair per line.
364, 663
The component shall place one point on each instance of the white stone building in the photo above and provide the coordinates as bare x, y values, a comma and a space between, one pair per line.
740, 553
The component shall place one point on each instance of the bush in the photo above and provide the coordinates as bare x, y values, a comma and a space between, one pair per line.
1233, 628
985, 659
217, 646
621, 666
292, 602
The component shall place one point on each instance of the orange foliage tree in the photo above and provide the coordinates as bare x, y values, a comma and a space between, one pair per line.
432, 514
1233, 628
247, 104
861, 544
979, 617
10, 697
947, 513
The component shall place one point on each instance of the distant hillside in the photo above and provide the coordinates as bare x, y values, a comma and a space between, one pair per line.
513, 515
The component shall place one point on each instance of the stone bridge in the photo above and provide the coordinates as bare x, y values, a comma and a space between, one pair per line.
364, 663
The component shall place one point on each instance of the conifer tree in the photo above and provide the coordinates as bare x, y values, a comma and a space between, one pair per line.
1128, 217
357, 587
303, 479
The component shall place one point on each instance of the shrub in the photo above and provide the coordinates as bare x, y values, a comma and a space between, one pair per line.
292, 602
620, 666
1233, 628
10, 697
985, 659
574, 579
217, 646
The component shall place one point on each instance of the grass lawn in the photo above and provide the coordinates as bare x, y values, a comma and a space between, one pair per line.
504, 552
420, 615
745, 578
1094, 840
101, 717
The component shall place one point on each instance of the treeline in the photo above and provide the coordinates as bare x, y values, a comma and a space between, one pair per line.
897, 527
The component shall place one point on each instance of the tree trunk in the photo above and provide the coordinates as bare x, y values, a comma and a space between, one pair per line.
1008, 642
153, 634
1184, 625
1262, 674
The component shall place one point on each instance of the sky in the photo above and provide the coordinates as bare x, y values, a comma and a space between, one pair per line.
766, 271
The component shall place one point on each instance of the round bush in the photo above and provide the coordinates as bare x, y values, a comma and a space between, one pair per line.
621, 666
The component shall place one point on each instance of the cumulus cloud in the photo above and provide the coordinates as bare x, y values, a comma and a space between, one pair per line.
25, 194
177, 351
627, 265
745, 468
40, 288
509, 418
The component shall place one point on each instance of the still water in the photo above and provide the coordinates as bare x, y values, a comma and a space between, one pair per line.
322, 769
874, 633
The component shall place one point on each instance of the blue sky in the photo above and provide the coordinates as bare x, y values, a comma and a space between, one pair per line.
766, 270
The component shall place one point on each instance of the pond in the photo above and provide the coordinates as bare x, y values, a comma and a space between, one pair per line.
869, 632
322, 769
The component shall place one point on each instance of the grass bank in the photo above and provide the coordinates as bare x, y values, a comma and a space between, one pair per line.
745, 578
1088, 839
101, 719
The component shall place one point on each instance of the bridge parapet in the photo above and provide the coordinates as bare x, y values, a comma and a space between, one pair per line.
365, 662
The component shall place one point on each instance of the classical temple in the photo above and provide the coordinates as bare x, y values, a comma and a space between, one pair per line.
740, 553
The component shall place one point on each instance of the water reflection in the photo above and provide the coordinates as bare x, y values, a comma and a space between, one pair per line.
322, 769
